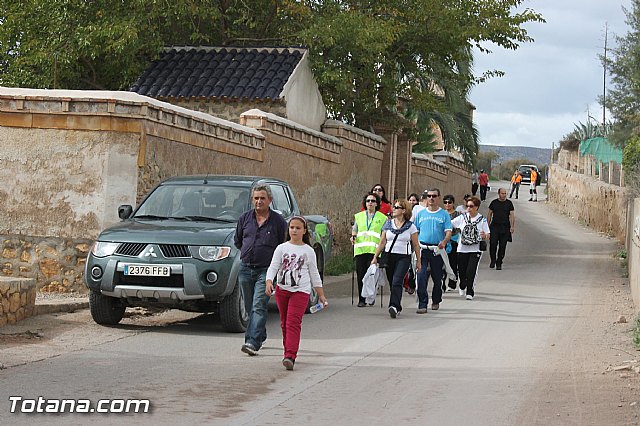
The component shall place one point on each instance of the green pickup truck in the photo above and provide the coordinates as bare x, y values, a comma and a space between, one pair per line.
175, 250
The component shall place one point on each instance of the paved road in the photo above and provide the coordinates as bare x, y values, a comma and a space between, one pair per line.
471, 362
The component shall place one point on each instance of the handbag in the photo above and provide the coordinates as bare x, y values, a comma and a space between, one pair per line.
383, 259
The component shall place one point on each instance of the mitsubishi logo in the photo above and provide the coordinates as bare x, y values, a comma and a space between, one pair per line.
149, 252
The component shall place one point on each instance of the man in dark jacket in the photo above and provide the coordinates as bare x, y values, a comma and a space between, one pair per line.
258, 233
502, 222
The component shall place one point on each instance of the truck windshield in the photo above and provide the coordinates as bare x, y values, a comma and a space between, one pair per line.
195, 202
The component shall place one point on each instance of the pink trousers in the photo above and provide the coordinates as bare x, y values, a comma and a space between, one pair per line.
291, 305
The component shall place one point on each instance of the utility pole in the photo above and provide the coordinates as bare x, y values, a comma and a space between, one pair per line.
604, 78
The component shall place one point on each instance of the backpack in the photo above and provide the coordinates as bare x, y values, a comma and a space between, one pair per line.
470, 234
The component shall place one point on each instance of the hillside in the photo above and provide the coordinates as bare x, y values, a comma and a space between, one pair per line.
533, 155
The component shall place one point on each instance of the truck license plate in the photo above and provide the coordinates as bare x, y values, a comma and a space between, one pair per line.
147, 270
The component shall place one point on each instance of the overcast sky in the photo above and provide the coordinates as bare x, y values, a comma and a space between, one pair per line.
550, 83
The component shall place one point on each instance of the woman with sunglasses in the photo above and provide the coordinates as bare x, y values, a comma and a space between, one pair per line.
365, 236
469, 245
385, 205
449, 202
399, 238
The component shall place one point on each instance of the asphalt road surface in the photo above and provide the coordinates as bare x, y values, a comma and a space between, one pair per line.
471, 362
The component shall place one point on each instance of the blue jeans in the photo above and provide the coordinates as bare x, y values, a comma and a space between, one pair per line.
435, 270
253, 284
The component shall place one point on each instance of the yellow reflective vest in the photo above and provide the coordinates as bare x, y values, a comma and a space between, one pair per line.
368, 236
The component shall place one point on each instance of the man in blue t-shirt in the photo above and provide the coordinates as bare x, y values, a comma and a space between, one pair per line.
434, 230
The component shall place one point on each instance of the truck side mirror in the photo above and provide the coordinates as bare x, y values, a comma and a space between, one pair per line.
124, 211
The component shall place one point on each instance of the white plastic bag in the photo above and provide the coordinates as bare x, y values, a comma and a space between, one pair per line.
373, 279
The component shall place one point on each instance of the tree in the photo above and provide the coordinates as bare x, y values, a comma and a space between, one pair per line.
623, 99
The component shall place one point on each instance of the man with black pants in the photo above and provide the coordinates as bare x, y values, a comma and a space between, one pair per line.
502, 222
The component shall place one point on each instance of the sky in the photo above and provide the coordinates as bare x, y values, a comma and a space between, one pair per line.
552, 83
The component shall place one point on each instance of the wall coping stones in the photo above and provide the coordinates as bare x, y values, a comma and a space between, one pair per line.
355, 133
426, 160
265, 120
119, 103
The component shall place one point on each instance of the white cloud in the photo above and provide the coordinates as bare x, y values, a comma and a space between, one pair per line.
551, 83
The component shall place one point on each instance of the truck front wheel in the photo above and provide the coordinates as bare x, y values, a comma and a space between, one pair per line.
105, 310
233, 315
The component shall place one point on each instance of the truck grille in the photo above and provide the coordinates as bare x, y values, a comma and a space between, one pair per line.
175, 250
130, 249
170, 281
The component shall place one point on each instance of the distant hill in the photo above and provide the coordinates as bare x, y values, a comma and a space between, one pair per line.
539, 156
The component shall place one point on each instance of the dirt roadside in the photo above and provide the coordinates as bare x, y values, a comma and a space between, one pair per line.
593, 369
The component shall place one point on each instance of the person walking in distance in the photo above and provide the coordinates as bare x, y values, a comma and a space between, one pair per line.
474, 182
434, 233
515, 183
473, 229
365, 237
399, 238
258, 232
449, 201
532, 186
295, 270
413, 199
502, 224
483, 180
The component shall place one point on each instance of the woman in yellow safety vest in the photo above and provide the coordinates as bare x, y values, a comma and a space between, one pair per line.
365, 237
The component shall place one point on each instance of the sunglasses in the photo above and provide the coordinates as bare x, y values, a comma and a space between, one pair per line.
371, 201
448, 202
432, 196
378, 190
470, 206
398, 207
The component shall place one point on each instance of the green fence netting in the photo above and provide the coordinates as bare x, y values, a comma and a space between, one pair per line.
601, 149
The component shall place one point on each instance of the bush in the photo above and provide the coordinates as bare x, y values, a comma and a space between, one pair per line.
339, 264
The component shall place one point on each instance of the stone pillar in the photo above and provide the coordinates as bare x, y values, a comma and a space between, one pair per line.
403, 166
611, 166
17, 299
388, 169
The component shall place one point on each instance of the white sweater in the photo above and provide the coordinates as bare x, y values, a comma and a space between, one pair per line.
294, 268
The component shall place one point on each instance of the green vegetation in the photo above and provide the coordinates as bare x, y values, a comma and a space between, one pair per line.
636, 333
339, 264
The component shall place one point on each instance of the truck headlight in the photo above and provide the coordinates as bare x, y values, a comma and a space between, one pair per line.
210, 253
103, 248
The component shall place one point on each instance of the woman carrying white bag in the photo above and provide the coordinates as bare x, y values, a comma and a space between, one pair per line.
398, 239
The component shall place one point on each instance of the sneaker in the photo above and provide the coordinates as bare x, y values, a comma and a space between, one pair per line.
492, 265
435, 306
461, 292
249, 349
421, 311
411, 290
469, 297
530, 199
393, 312
361, 304
535, 201
499, 267
288, 363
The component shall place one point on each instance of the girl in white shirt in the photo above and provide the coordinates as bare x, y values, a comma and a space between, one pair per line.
295, 270
469, 251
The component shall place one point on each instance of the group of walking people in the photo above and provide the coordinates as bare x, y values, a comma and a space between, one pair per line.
421, 239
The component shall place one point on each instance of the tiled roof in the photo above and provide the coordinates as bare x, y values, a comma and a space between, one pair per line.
219, 73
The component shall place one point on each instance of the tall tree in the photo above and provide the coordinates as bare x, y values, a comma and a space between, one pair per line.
623, 99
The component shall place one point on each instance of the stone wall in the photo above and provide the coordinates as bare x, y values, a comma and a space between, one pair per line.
599, 205
17, 299
633, 251
56, 263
